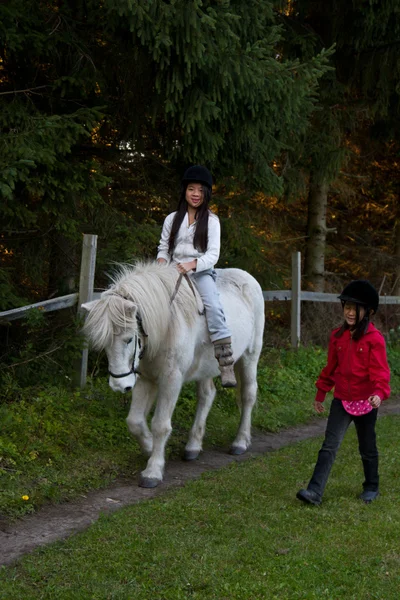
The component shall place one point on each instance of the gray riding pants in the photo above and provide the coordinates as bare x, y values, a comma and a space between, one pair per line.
206, 284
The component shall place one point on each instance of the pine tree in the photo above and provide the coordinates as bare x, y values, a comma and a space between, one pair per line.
360, 94
135, 90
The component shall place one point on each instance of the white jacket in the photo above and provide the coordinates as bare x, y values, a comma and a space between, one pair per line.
184, 250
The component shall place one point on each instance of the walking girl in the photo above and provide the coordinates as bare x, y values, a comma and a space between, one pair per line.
191, 239
358, 370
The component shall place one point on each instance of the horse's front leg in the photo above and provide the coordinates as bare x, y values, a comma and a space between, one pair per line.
205, 398
143, 396
168, 392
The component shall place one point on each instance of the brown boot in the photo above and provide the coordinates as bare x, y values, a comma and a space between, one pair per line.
223, 353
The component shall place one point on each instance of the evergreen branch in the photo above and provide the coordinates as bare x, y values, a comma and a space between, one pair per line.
59, 21
24, 231
39, 87
300, 237
354, 176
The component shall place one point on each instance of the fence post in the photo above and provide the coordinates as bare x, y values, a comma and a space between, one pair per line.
296, 292
86, 282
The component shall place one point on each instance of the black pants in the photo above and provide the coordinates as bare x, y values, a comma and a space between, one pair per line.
338, 423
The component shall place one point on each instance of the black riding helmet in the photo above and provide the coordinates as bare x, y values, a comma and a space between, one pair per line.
198, 174
361, 292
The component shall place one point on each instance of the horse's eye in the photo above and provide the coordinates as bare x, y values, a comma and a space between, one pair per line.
128, 341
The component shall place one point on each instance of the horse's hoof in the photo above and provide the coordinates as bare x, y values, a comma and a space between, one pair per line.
148, 482
237, 450
191, 454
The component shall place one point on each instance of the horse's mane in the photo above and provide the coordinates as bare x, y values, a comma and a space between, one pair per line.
150, 287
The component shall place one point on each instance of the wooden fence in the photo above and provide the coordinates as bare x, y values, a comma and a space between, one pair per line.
86, 284
296, 296
85, 294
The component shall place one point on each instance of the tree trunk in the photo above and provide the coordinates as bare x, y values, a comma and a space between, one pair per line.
314, 267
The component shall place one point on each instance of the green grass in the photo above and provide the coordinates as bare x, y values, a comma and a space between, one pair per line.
238, 533
56, 444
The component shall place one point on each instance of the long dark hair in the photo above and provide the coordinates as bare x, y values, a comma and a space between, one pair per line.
201, 234
361, 325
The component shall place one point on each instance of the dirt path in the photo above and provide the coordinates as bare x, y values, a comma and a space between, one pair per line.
58, 522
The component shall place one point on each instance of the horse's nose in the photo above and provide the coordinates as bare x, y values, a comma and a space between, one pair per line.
128, 389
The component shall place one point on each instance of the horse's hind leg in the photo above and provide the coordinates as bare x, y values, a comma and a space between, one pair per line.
247, 371
205, 398
143, 397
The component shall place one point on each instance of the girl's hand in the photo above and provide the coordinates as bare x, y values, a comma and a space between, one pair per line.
319, 407
375, 401
186, 267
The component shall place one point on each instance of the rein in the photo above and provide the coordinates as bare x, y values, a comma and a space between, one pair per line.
190, 284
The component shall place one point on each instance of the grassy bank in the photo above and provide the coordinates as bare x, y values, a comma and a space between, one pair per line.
56, 444
237, 533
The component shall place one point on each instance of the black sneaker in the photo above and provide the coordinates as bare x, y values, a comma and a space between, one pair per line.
309, 497
369, 496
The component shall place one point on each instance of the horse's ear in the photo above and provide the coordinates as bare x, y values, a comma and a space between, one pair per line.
130, 307
89, 305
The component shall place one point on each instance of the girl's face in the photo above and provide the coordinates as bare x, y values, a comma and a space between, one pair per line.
350, 313
194, 195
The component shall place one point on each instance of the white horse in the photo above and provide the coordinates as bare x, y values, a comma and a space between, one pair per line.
154, 346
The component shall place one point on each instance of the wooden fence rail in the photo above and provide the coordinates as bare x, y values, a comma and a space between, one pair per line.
296, 296
46, 306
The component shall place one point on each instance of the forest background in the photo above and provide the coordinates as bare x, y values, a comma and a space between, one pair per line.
293, 105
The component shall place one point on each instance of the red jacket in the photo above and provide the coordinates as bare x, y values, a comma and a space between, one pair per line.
356, 369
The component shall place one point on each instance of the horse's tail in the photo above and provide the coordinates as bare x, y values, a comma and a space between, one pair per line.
253, 296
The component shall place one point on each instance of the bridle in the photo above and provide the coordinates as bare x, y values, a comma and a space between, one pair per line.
139, 348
